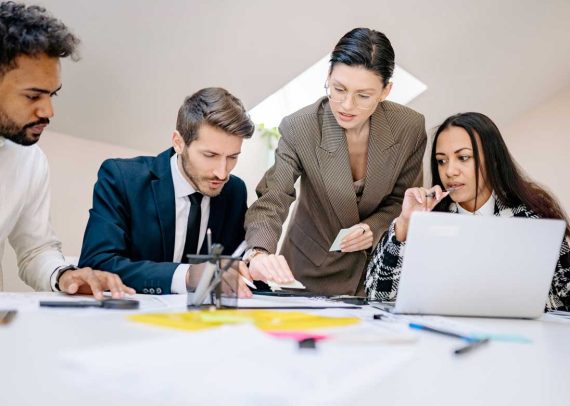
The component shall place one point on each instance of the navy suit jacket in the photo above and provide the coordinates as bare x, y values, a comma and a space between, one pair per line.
131, 226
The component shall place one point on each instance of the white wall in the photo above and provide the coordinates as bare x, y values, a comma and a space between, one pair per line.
539, 140
252, 164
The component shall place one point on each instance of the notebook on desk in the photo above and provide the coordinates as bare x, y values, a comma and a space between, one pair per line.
461, 265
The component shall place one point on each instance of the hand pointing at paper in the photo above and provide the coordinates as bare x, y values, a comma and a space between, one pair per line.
270, 267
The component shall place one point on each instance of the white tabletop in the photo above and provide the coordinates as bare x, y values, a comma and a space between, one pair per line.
91, 356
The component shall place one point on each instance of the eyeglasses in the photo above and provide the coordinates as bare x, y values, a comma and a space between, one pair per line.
338, 94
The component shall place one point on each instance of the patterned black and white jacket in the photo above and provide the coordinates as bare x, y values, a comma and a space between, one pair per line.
383, 273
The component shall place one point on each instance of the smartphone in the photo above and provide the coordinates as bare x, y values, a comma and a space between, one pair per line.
122, 304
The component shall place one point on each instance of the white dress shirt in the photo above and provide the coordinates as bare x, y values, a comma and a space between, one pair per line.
24, 214
182, 188
488, 209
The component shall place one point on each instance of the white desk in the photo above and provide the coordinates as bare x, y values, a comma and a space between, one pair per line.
98, 357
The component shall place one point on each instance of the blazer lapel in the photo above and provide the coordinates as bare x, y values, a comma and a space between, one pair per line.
332, 156
163, 191
380, 162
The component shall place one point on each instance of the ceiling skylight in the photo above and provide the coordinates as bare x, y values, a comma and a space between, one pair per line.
309, 86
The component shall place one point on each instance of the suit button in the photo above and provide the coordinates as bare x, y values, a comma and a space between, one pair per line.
151, 291
158, 291
145, 290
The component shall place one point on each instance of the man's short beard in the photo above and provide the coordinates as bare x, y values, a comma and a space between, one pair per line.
195, 180
11, 131
18, 137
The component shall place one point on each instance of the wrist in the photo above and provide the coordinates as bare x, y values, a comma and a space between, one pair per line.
401, 229
57, 274
252, 253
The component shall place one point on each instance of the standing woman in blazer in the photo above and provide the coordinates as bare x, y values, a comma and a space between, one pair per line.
356, 155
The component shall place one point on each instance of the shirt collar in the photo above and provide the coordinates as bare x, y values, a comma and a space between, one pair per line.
182, 187
488, 209
2, 141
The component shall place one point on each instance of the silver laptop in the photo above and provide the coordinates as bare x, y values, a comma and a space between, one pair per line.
486, 266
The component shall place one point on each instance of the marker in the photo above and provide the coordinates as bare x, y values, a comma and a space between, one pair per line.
471, 346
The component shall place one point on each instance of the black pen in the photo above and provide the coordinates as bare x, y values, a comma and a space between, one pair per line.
432, 193
472, 345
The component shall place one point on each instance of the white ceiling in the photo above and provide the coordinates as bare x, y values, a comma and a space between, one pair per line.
140, 58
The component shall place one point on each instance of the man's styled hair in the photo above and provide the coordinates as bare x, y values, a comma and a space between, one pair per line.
216, 107
30, 30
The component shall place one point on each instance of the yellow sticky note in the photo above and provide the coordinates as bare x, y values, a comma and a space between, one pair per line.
266, 320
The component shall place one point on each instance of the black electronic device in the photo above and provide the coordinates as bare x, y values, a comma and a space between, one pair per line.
120, 304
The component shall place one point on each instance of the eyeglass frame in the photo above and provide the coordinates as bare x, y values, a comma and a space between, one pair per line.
352, 96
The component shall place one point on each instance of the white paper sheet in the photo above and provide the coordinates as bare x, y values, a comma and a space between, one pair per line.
230, 365
341, 234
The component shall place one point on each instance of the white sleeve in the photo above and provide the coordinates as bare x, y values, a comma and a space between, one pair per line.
179, 279
37, 248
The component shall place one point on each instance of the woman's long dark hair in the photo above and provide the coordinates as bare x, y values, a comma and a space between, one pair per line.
501, 173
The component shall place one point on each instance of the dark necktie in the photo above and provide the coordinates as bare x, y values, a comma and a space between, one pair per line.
193, 228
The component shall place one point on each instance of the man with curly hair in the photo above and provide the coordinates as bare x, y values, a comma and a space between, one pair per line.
31, 45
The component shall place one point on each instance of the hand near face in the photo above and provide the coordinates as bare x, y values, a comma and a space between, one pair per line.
417, 199
88, 281
359, 239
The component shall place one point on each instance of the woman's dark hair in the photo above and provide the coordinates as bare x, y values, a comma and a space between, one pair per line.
367, 48
501, 173
30, 30
216, 107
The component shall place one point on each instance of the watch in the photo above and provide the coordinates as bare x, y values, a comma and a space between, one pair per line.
60, 272
252, 252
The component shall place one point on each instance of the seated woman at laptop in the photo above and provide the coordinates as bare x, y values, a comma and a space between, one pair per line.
472, 172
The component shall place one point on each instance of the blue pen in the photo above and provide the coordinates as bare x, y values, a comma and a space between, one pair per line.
473, 342
423, 327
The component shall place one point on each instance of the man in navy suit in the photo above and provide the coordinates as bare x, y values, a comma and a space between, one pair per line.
149, 213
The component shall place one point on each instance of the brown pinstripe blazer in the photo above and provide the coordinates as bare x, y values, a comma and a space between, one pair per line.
313, 146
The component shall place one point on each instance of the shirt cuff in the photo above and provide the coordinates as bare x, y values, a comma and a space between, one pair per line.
179, 279
55, 275
53, 279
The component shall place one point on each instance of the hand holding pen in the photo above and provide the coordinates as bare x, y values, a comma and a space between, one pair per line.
417, 199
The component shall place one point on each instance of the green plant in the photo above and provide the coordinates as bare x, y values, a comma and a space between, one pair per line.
269, 135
